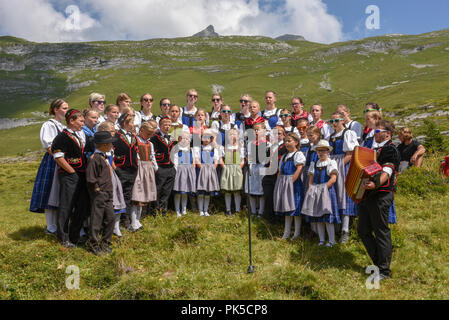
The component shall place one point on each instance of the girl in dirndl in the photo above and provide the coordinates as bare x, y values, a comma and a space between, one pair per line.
289, 190
46, 178
185, 179
144, 188
232, 175
206, 162
118, 200
320, 201
343, 141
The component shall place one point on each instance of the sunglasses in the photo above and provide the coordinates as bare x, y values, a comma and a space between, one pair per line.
380, 130
334, 120
215, 100
226, 111
302, 128
285, 115
166, 104
192, 96
100, 101
148, 99
244, 101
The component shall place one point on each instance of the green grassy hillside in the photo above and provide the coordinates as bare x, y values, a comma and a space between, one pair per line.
207, 258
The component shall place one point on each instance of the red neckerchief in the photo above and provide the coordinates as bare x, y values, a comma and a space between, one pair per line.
196, 130
304, 114
251, 122
366, 130
320, 124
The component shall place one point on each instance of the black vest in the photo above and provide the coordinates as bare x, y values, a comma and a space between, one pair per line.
67, 143
162, 150
125, 154
389, 156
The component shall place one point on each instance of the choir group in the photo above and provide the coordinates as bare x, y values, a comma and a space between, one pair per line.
109, 164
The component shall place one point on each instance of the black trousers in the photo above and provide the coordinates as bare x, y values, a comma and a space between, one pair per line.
165, 179
268, 183
73, 206
101, 216
373, 229
127, 176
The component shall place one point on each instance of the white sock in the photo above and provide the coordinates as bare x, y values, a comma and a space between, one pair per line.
297, 226
138, 215
177, 202
206, 203
117, 227
320, 228
345, 224
50, 218
238, 200
228, 200
200, 203
133, 215
184, 203
330, 232
287, 227
252, 201
261, 205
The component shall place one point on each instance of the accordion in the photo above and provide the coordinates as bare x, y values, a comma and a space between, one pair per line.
363, 168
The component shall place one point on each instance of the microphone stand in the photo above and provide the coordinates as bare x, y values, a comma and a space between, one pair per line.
251, 268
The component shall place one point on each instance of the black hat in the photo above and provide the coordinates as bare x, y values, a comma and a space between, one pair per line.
103, 137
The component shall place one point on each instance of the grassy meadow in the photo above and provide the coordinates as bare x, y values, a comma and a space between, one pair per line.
195, 257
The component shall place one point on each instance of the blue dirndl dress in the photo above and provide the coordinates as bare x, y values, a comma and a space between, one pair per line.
321, 177
288, 196
206, 178
185, 179
42, 184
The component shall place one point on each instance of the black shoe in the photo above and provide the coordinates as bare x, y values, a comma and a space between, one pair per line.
106, 248
68, 244
82, 241
229, 213
50, 233
384, 276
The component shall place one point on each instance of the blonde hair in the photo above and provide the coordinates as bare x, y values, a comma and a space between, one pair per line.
106, 126
149, 126
95, 96
375, 115
109, 107
314, 130
344, 108
200, 110
248, 96
88, 111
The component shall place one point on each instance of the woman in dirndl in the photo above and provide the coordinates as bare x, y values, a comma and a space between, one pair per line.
206, 162
232, 175
185, 179
144, 189
343, 141
320, 201
289, 190
46, 178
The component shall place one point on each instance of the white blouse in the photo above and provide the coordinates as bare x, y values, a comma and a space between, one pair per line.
49, 132
197, 152
356, 127
331, 166
299, 158
350, 140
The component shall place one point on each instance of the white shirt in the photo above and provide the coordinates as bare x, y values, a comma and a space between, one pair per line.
191, 112
299, 158
140, 117
275, 111
387, 170
356, 127
49, 132
209, 147
349, 140
331, 166
178, 147
291, 129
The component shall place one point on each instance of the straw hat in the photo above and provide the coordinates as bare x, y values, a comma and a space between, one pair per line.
323, 144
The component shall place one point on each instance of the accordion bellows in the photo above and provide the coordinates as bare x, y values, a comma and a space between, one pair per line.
363, 167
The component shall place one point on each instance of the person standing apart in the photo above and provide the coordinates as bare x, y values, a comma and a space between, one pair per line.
46, 174
373, 226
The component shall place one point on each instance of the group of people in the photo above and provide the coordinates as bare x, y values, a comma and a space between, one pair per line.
110, 163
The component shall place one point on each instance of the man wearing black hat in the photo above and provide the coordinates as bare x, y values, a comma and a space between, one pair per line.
99, 183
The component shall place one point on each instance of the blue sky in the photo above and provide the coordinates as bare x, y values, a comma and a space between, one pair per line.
396, 16
323, 21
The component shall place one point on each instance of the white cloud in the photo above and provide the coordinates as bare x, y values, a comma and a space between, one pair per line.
46, 20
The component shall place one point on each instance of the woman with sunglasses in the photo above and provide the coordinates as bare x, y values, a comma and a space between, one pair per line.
165, 105
98, 103
144, 114
240, 117
286, 118
217, 101
188, 112
343, 141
